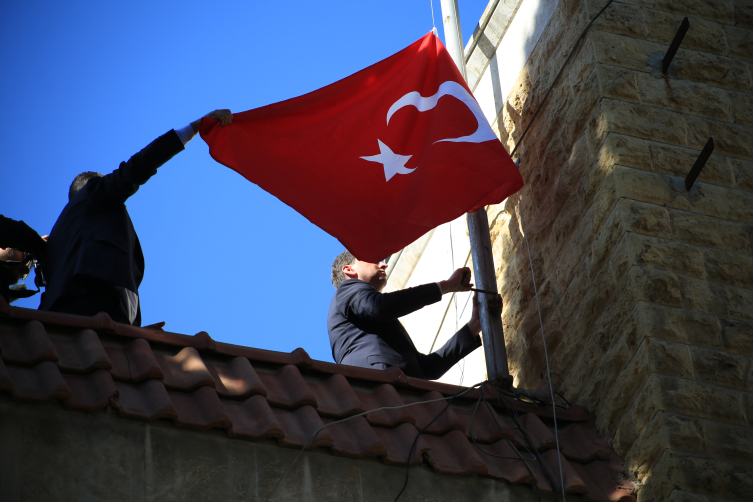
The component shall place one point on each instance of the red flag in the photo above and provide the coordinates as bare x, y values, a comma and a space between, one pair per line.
376, 159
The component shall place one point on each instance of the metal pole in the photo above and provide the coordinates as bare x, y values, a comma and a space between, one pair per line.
478, 229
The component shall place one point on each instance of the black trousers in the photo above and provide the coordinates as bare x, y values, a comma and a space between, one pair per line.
93, 297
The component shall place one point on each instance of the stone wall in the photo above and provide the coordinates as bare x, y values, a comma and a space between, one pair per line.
646, 288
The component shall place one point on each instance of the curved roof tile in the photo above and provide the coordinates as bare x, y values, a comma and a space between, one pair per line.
255, 393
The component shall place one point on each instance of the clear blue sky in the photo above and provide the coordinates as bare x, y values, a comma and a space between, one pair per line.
87, 84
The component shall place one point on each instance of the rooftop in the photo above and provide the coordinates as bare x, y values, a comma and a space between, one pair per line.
90, 364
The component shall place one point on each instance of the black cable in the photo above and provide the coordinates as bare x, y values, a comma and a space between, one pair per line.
415, 441
544, 468
473, 437
514, 448
313, 436
563, 398
546, 96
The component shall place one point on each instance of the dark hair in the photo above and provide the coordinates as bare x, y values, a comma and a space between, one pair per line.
79, 182
344, 258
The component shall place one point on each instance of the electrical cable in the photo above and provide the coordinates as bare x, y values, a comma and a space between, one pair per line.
533, 451
545, 468
313, 436
546, 96
525, 233
415, 441
546, 355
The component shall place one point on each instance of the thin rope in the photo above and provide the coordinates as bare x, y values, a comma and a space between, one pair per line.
311, 438
546, 355
433, 25
572, 52
454, 299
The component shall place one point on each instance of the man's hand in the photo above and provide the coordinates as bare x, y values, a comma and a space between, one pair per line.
224, 116
460, 280
495, 308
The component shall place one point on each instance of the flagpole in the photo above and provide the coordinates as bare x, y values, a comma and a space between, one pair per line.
478, 228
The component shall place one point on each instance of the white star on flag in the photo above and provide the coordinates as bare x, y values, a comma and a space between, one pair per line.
392, 162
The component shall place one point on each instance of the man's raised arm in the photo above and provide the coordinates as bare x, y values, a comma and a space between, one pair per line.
118, 186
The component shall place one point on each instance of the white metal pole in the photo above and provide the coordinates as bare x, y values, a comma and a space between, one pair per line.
478, 228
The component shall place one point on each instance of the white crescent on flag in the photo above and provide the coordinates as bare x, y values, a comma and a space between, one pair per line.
449, 88
394, 163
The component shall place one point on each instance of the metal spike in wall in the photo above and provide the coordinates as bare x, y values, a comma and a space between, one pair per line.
699, 163
675, 45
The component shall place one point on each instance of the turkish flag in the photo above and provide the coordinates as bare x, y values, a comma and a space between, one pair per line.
376, 159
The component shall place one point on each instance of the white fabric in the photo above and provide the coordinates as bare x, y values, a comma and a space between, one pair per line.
186, 134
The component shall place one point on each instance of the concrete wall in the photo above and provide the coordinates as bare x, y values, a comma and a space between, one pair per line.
48, 453
646, 289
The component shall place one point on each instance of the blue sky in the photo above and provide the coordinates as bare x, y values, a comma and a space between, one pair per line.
87, 84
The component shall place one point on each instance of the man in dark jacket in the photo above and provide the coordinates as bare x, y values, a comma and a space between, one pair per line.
94, 260
363, 322
18, 243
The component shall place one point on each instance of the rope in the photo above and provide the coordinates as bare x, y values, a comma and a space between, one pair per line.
546, 96
433, 25
546, 355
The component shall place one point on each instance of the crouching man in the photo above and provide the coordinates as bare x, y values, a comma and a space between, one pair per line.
363, 322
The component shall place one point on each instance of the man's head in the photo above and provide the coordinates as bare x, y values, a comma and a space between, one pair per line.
79, 182
10, 254
346, 266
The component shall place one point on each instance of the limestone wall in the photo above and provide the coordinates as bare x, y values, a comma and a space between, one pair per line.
646, 289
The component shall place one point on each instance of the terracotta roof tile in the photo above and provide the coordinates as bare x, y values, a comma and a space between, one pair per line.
28, 345
604, 484
425, 413
355, 438
227, 390
335, 397
287, 388
185, 370
39, 383
573, 482
398, 442
541, 437
142, 363
386, 396
299, 425
82, 353
576, 445
200, 409
91, 392
237, 380
453, 454
203, 341
120, 369
252, 419
511, 468
147, 401
488, 426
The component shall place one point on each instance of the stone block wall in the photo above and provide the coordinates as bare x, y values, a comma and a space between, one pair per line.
646, 289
